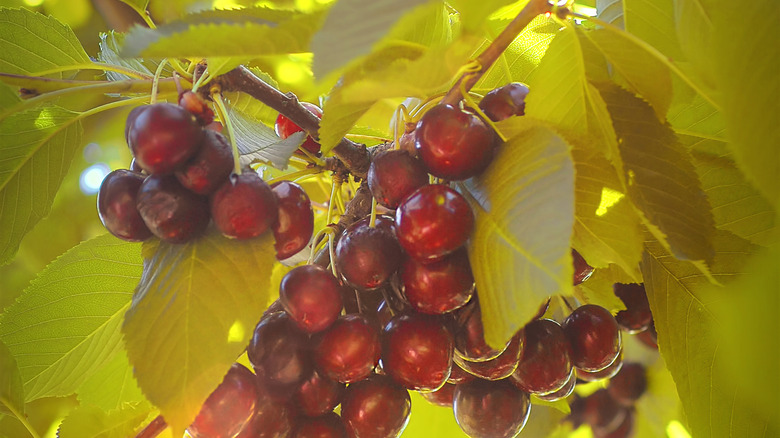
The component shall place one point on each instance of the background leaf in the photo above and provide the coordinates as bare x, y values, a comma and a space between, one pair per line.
110, 44
92, 422
520, 249
255, 141
192, 315
653, 21
112, 386
11, 390
66, 324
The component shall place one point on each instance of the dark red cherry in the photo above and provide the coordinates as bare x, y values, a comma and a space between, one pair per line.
367, 256
393, 175
172, 212
563, 392
229, 408
311, 295
545, 365
602, 412
417, 351
163, 137
505, 102
294, 225
499, 367
376, 407
594, 337
349, 349
469, 335
485, 409
458, 375
198, 107
624, 430
582, 270
441, 286
273, 419
326, 426
628, 384
117, 205
244, 206
318, 395
442, 396
607, 373
637, 316
454, 144
433, 221
210, 167
279, 351
649, 337
285, 127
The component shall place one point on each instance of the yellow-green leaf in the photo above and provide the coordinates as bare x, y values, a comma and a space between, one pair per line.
474, 13
11, 389
8, 97
193, 314
93, 422
598, 288
653, 21
65, 326
520, 249
112, 386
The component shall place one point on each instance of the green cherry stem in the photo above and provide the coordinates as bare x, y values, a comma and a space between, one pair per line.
216, 95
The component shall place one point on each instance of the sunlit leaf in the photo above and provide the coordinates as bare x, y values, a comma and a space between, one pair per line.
431, 420
138, 5
660, 404
598, 288
11, 389
112, 386
65, 326
695, 34
257, 142
653, 21
192, 315
109, 53
692, 115
8, 96
610, 11
473, 14
93, 422
520, 249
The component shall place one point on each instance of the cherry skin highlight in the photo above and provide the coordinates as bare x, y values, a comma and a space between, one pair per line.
349, 349
117, 205
279, 351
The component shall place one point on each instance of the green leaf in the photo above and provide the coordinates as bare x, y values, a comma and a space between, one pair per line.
93, 422
110, 44
65, 325
8, 97
37, 147
653, 21
520, 249
684, 307
695, 33
611, 11
257, 142
694, 116
31, 42
431, 420
112, 386
662, 182
138, 5
192, 315
474, 14
351, 29
11, 389
598, 288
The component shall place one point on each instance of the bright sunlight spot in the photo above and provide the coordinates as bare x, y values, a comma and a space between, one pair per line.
44, 120
33, 2
236, 332
226, 4
92, 177
289, 72
675, 429
585, 10
609, 198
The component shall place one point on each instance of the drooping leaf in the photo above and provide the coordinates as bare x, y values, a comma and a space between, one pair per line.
31, 42
520, 249
598, 288
684, 306
65, 325
38, 146
662, 182
93, 422
257, 142
112, 386
192, 315
11, 389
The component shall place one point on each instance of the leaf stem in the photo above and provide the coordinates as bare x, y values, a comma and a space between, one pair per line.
216, 95
23, 419
94, 66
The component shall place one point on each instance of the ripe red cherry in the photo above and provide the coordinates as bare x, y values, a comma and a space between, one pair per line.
442, 396
469, 335
285, 127
171, 212
454, 144
417, 351
601, 411
210, 167
628, 384
441, 286
545, 365
116, 202
375, 408
163, 136
367, 256
433, 221
582, 270
349, 350
563, 392
505, 102
458, 375
318, 395
273, 419
607, 373
295, 222
637, 316
279, 351
311, 295
594, 337
499, 367
326, 426
198, 107
485, 409
229, 408
244, 207
393, 175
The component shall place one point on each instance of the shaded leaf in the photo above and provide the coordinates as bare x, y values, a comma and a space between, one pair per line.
65, 325
112, 386
653, 21
520, 249
38, 147
93, 422
109, 53
598, 288
692, 115
192, 315
11, 389
695, 33
662, 182
257, 142
610, 11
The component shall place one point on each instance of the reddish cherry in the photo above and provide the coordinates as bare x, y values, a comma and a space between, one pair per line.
545, 365
279, 351
367, 256
285, 127
441, 286
326, 426
163, 136
318, 395
244, 207
393, 175
349, 350
582, 270
594, 337
505, 102
311, 295
485, 409
295, 222
210, 167
637, 316
375, 408
229, 408
172, 212
117, 205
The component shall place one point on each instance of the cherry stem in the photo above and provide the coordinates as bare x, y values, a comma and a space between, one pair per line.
496, 48
154, 428
216, 95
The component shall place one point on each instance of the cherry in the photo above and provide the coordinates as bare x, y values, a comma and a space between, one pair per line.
349, 350
594, 337
326, 426
637, 316
601, 412
285, 127
279, 351
210, 167
454, 144
544, 365
162, 136
116, 203
295, 222
442, 396
458, 374
244, 207
195, 104
608, 372
367, 256
229, 408
417, 351
505, 102
171, 212
485, 409
393, 175
311, 295
318, 395
469, 335
499, 367
375, 408
273, 419
563, 392
433, 221
624, 430
582, 270
649, 337
441, 286
628, 384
